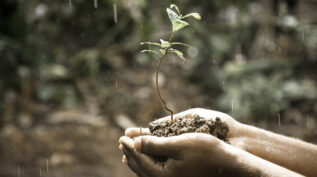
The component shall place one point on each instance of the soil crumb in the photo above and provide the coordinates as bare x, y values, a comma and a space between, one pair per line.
190, 124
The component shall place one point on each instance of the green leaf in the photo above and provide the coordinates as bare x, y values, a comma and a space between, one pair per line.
176, 20
164, 44
163, 51
179, 24
175, 7
195, 15
151, 43
179, 43
178, 53
172, 15
150, 51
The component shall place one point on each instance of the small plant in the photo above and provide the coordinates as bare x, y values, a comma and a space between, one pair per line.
165, 47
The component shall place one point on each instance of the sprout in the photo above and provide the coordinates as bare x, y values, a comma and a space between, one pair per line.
166, 46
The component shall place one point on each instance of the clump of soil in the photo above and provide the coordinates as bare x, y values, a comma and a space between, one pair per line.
189, 124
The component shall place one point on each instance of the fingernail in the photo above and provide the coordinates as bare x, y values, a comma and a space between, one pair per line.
124, 160
121, 147
121, 139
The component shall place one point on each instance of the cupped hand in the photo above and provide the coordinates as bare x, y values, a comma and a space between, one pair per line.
202, 155
186, 155
234, 126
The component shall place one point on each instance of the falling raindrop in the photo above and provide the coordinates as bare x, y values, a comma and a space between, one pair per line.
308, 124
279, 120
214, 61
220, 170
70, 3
116, 84
47, 166
18, 171
96, 3
115, 15
232, 105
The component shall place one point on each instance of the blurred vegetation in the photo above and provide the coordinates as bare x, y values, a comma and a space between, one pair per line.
72, 76
253, 59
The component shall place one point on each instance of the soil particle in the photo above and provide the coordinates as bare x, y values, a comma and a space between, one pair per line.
190, 124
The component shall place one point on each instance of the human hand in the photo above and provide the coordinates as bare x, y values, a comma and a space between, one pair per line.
187, 155
233, 125
196, 154
192, 148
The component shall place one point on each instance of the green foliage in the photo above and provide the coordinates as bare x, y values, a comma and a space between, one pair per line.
178, 53
64, 95
177, 24
249, 93
46, 47
152, 51
175, 18
166, 46
264, 97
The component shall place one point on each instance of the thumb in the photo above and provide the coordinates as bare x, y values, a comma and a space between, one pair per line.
158, 146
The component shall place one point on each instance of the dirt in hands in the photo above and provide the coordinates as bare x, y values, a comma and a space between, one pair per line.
189, 124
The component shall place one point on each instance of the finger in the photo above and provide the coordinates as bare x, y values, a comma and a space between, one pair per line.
158, 146
142, 164
127, 142
210, 114
121, 147
147, 163
134, 132
134, 166
124, 160
131, 158
205, 113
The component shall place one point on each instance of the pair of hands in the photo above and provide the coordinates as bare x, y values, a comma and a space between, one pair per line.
190, 154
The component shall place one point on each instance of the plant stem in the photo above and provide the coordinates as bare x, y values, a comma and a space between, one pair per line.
156, 78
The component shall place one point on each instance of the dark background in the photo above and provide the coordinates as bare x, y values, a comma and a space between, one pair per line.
72, 78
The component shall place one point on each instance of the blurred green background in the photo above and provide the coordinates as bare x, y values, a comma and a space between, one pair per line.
72, 77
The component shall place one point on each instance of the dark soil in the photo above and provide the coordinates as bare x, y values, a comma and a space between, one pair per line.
189, 124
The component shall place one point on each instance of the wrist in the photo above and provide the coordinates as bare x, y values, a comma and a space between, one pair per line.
237, 162
246, 164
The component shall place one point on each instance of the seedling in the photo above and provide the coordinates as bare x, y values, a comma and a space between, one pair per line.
165, 47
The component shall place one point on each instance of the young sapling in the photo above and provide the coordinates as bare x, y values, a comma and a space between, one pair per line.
165, 47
